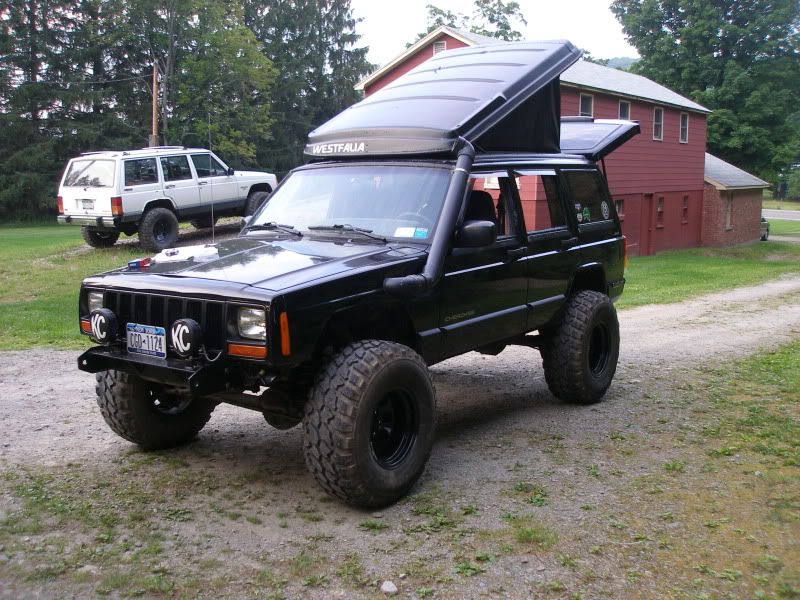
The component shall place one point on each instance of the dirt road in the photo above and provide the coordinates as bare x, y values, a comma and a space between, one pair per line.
236, 514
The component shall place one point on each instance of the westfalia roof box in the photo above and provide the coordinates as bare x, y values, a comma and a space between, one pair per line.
502, 97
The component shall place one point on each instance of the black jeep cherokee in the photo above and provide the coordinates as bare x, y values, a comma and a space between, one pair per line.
451, 211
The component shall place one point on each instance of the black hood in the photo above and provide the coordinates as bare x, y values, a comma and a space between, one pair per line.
273, 264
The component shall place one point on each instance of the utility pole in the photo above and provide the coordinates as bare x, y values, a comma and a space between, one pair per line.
154, 135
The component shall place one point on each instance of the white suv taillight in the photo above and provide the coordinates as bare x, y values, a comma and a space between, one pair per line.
116, 206
60, 205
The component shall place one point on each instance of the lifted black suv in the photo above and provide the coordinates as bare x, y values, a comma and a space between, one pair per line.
451, 211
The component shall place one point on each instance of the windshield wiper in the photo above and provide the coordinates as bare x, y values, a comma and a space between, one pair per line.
348, 229
273, 226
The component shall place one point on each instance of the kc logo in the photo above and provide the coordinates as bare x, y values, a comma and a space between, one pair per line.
180, 331
99, 326
186, 337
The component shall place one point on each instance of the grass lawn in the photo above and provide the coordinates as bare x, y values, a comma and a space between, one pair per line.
40, 272
680, 274
41, 268
781, 204
789, 228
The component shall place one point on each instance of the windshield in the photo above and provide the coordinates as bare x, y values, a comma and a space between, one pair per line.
388, 201
90, 173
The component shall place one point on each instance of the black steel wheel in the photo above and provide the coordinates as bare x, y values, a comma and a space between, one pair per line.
149, 415
99, 238
369, 423
580, 356
158, 229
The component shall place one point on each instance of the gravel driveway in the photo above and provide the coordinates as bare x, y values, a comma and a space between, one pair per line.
498, 426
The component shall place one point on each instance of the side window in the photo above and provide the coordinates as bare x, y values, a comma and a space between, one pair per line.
175, 168
489, 199
588, 197
140, 172
541, 206
207, 166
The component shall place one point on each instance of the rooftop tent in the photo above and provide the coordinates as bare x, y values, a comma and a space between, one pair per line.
595, 138
502, 97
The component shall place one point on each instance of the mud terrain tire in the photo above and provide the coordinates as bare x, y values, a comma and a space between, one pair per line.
369, 423
158, 229
99, 239
129, 406
580, 356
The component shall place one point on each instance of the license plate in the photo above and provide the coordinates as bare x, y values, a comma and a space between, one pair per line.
87, 204
147, 339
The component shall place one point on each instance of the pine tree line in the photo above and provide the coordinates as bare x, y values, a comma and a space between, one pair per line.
251, 77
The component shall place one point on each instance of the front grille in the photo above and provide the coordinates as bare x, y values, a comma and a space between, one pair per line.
162, 311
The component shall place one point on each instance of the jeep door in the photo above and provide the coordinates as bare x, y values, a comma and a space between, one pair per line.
483, 290
141, 184
552, 255
215, 184
180, 184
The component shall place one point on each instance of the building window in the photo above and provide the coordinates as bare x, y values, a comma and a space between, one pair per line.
439, 46
586, 105
684, 128
619, 205
660, 212
658, 123
624, 109
728, 213
685, 210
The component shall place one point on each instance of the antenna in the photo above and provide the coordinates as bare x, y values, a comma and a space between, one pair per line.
211, 180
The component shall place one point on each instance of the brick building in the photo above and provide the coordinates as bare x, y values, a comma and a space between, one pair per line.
657, 179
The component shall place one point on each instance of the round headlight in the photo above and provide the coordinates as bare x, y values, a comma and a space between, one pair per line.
252, 323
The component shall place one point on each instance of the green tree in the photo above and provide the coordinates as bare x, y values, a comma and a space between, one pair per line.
740, 59
492, 18
313, 45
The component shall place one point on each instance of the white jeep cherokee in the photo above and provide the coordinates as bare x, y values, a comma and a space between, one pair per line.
149, 190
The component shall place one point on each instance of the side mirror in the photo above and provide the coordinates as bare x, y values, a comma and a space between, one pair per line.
245, 222
230, 171
476, 234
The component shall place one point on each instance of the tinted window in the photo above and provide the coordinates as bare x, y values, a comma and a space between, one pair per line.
175, 168
206, 166
587, 196
90, 173
140, 172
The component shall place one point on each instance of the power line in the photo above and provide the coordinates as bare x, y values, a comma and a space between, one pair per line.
69, 83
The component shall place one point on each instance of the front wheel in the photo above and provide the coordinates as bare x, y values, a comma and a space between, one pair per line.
149, 415
99, 238
254, 202
580, 356
369, 423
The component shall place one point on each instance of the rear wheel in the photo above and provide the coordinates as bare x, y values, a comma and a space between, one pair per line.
147, 414
580, 356
254, 202
158, 229
99, 238
369, 423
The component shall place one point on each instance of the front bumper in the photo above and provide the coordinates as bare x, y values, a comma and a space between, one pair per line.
200, 376
89, 221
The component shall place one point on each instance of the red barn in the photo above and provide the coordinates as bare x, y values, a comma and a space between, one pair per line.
656, 179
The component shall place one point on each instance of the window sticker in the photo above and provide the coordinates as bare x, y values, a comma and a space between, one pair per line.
605, 210
421, 233
406, 232
587, 216
579, 216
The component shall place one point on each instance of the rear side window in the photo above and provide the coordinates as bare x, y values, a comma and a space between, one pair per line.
141, 171
90, 173
541, 205
206, 166
588, 197
175, 168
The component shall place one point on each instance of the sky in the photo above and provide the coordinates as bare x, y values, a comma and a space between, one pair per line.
388, 25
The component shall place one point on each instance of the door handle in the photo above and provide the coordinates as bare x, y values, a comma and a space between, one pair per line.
515, 253
169, 187
202, 183
569, 242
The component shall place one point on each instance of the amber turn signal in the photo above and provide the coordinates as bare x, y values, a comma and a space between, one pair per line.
286, 343
247, 351
86, 327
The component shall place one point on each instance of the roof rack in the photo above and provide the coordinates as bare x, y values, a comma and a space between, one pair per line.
164, 148
94, 152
